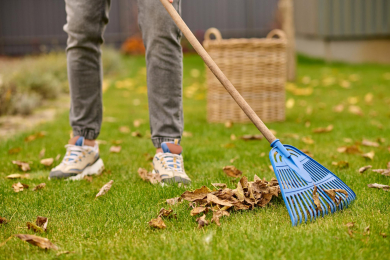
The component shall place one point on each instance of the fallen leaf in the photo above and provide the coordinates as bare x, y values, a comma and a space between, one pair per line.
19, 186
219, 185
235, 158
228, 145
307, 140
115, 149
364, 168
332, 195
157, 223
47, 162
327, 129
338, 108
58, 157
88, 178
42, 153
369, 155
174, 201
366, 142
233, 137
136, 134
24, 166
251, 137
271, 168
353, 149
187, 134
166, 213
368, 97
42, 222
137, 122
202, 221
34, 136
347, 140
350, 233
367, 231
232, 171
239, 192
124, 129
379, 186
385, 172
217, 215
117, 142
345, 84
37, 241
65, 253
350, 224
34, 227
316, 199
229, 124
104, 189
153, 178
3, 220
383, 234
14, 150
355, 110
307, 152
197, 194
214, 199
198, 210
341, 164
39, 186
290, 103
18, 176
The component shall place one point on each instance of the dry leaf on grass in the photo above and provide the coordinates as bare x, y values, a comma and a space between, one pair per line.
174, 201
65, 253
219, 185
124, 129
233, 137
202, 221
37, 241
153, 178
341, 164
251, 137
327, 129
137, 122
187, 134
332, 195
369, 155
42, 222
58, 157
198, 194
217, 215
214, 199
198, 210
104, 189
136, 134
383, 234
166, 213
350, 224
379, 186
47, 162
338, 108
229, 124
232, 171
34, 136
385, 172
24, 166
364, 168
88, 178
356, 110
316, 199
307, 140
34, 227
157, 223
115, 149
367, 231
42, 153
39, 186
3, 220
366, 142
353, 149
14, 150
18, 176
19, 186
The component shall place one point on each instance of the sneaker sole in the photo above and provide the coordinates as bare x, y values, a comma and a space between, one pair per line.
175, 179
95, 169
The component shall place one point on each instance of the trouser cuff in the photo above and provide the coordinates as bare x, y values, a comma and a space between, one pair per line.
89, 134
158, 140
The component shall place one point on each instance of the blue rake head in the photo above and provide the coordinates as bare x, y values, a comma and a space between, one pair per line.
297, 175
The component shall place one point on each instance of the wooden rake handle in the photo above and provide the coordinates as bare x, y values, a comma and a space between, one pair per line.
217, 72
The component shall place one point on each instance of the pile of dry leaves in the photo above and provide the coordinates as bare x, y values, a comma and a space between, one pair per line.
247, 195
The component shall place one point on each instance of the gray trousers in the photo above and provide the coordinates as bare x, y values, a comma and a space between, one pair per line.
86, 22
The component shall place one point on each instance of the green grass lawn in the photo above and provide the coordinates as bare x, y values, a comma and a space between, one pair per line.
115, 226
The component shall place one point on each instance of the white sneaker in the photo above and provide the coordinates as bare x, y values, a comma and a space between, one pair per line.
80, 160
170, 166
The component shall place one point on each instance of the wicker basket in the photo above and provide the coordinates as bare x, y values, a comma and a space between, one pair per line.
256, 67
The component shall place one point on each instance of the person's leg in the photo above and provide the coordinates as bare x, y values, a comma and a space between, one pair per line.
86, 21
164, 70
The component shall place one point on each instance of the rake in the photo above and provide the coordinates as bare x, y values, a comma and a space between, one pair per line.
309, 190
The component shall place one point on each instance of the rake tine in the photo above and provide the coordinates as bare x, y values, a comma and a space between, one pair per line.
310, 208
294, 220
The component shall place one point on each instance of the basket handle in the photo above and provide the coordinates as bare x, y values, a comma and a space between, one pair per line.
214, 31
277, 32
218, 73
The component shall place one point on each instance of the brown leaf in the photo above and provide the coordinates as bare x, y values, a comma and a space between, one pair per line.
369, 155
316, 199
3, 220
364, 168
214, 199
265, 199
58, 157
124, 129
366, 142
42, 153
224, 194
42, 222
198, 210
356, 110
34, 136
217, 215
137, 122
332, 195
47, 162
367, 231
244, 182
136, 134
239, 192
65, 253
115, 149
19, 186
157, 223
14, 150
383, 234
202, 221
39, 186
197, 194
251, 137
104, 189
219, 185
174, 201
327, 129
341, 164
338, 108
166, 213
385, 172
229, 124
307, 140
187, 134
307, 152
353, 149
18, 176
88, 178
24, 166
350, 224
34, 227
350, 233
379, 186
37, 241
232, 171
240, 206
153, 178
